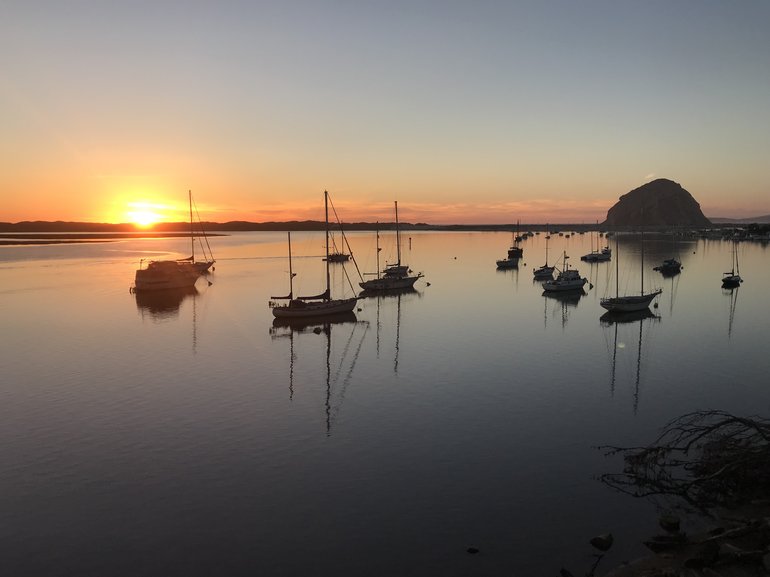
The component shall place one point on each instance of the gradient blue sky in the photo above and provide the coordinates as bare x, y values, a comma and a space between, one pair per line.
484, 111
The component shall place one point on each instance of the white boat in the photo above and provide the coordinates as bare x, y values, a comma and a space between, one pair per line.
312, 306
567, 280
628, 303
395, 275
544, 272
164, 275
733, 278
202, 266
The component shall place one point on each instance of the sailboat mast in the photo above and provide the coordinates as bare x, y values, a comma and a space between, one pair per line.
326, 217
398, 235
642, 290
192, 235
291, 272
377, 234
617, 271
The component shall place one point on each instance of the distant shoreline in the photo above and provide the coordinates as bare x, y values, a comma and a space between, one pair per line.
42, 238
92, 231
45, 233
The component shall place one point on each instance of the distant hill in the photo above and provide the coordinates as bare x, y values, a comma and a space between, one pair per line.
765, 219
661, 202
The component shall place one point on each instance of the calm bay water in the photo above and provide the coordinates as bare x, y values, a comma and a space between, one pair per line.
190, 436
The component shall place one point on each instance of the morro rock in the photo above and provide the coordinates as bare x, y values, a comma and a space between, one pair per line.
661, 202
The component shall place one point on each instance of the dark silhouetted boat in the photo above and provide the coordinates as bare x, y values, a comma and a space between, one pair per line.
316, 305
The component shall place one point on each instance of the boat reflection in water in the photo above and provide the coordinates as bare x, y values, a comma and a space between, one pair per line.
163, 304
337, 381
732, 292
566, 300
612, 318
310, 324
397, 294
615, 319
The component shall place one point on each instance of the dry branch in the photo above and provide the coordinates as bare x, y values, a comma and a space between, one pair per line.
705, 457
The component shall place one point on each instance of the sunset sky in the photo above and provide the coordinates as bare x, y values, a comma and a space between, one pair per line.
464, 112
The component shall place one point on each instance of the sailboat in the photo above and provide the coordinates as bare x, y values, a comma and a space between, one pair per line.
670, 266
514, 253
628, 303
337, 254
317, 305
733, 278
597, 255
545, 271
394, 276
202, 266
567, 280
161, 275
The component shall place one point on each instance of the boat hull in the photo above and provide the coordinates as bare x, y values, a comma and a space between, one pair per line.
544, 272
303, 309
203, 266
559, 285
164, 275
596, 257
389, 283
731, 280
508, 263
338, 257
628, 304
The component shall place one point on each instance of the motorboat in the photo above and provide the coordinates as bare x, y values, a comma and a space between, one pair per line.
568, 279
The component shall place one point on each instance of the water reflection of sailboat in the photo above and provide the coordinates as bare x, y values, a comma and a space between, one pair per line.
165, 303
620, 318
566, 300
733, 293
291, 327
396, 294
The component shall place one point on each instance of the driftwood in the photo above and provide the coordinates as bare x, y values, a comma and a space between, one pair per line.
708, 458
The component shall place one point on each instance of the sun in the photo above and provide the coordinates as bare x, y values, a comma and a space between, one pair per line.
143, 214
143, 218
